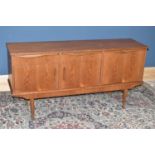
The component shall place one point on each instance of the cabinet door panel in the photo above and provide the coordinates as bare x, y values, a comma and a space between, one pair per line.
80, 70
48, 73
90, 69
133, 65
69, 71
122, 66
112, 67
35, 73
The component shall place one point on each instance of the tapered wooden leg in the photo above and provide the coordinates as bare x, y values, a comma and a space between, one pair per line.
125, 94
32, 108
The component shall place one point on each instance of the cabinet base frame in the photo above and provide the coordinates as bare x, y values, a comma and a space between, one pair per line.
77, 91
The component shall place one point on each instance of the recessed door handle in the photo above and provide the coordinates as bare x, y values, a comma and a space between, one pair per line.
64, 73
55, 72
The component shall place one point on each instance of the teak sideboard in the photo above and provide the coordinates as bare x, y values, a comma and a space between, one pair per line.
48, 69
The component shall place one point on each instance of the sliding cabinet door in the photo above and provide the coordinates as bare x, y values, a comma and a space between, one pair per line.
35, 73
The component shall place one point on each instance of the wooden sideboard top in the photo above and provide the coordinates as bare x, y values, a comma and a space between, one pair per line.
73, 46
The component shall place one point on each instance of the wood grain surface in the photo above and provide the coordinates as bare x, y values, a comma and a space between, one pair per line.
46, 69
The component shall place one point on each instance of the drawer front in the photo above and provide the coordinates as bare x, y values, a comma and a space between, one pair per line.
35, 73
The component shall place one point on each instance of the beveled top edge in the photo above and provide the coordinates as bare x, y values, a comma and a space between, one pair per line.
72, 45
